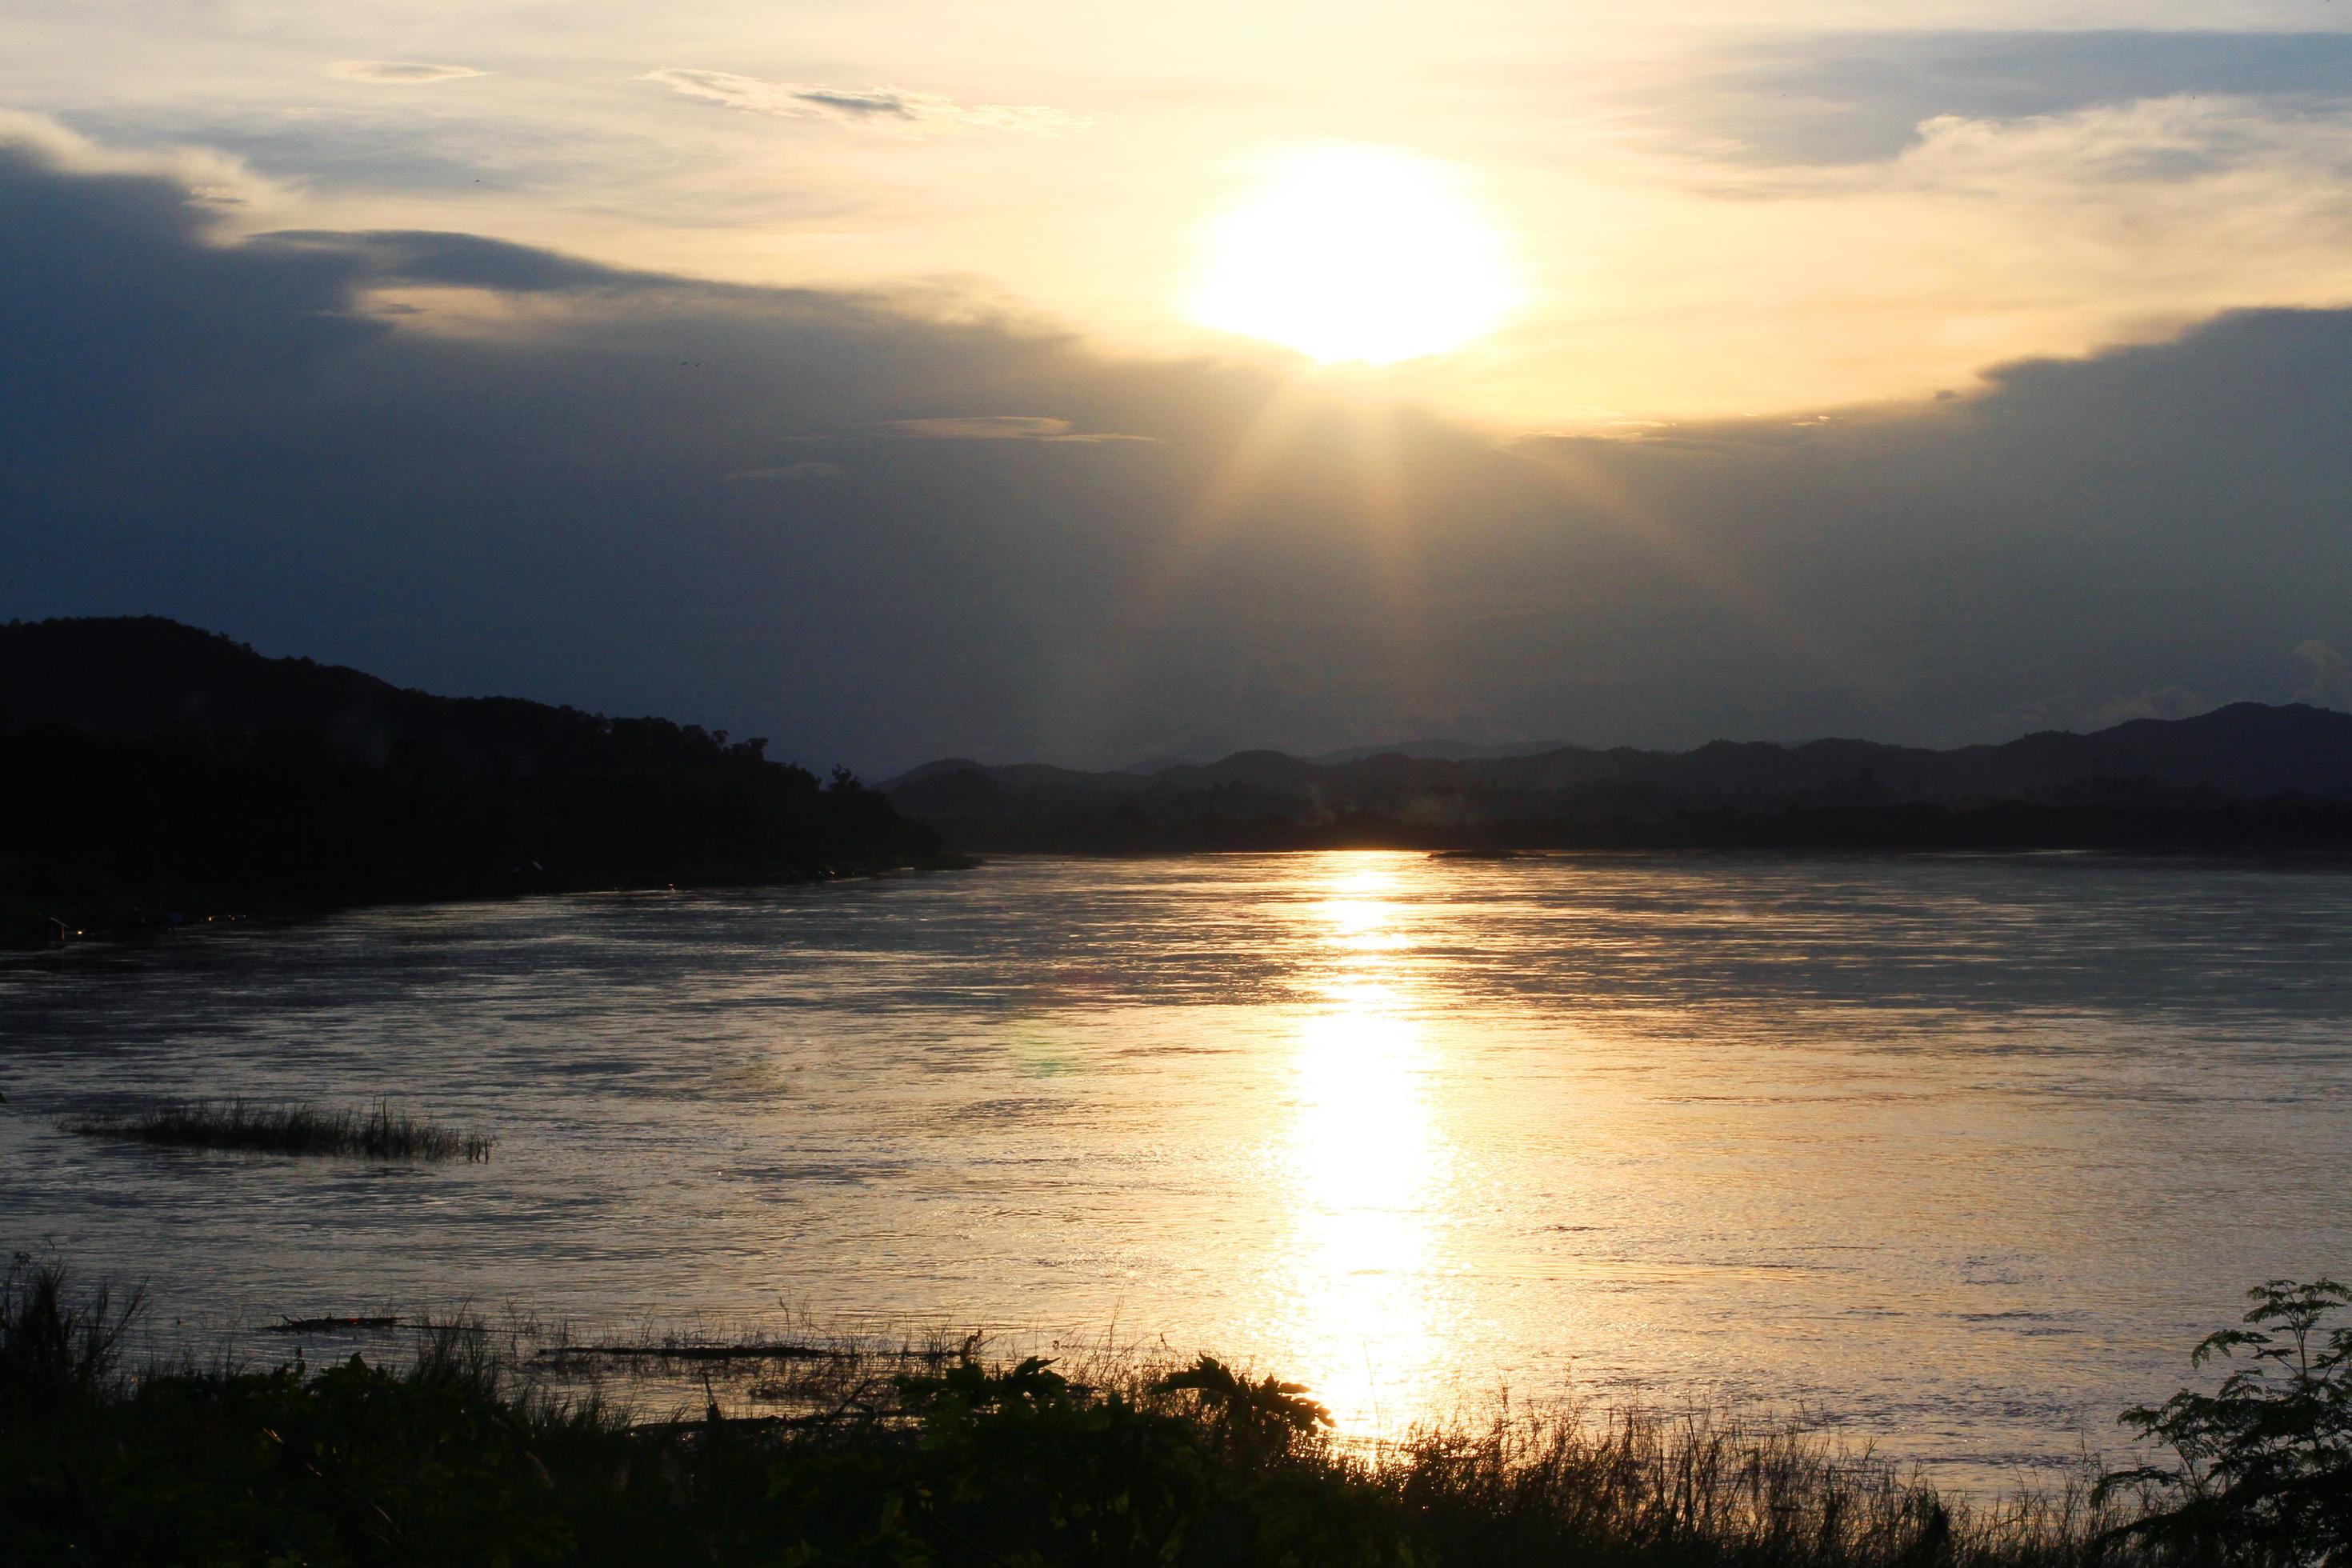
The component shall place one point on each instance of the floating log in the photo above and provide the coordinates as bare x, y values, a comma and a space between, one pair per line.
778, 1352
328, 1325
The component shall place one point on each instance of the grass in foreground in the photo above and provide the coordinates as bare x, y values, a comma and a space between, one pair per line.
932, 1458
377, 1134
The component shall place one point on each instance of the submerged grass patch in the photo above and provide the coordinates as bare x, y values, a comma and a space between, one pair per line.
379, 1132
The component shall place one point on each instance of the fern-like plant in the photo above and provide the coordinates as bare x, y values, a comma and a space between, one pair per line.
2263, 1470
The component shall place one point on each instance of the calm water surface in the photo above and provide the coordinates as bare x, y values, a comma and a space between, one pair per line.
1961, 1151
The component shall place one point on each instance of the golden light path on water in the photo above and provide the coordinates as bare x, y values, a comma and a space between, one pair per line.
1367, 1163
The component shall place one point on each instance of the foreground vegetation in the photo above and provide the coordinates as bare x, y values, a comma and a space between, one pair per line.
378, 1133
939, 1457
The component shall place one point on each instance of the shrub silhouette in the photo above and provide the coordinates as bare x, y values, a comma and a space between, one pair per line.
1251, 1421
2264, 1471
1021, 1465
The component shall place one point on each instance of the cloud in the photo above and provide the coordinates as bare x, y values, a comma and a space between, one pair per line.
2163, 703
435, 258
202, 180
2150, 144
1844, 97
538, 497
1000, 427
2330, 682
1984, 239
399, 73
2073, 712
882, 105
809, 469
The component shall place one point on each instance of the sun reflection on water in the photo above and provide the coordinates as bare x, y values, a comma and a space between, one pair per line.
1366, 1159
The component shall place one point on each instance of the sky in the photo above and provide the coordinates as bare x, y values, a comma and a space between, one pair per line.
1091, 383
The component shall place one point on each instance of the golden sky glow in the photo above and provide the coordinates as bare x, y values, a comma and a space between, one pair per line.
1543, 219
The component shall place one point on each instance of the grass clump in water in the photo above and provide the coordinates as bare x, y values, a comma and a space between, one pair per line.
378, 1133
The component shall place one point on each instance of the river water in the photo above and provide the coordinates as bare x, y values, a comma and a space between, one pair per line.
1960, 1152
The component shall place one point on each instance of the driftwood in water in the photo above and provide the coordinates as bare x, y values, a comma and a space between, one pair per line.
327, 1325
754, 1351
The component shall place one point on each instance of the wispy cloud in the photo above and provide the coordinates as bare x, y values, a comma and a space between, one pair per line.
2071, 711
872, 106
1838, 98
399, 73
1000, 427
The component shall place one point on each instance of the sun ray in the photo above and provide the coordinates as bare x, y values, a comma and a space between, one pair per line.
1264, 439
1610, 502
1395, 540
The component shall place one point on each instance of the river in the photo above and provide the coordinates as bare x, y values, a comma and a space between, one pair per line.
1962, 1152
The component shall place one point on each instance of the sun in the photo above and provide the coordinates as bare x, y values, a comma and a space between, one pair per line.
1355, 253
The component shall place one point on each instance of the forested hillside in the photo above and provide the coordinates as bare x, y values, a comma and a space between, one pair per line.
156, 774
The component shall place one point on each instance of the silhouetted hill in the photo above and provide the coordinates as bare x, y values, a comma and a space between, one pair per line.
2246, 775
139, 675
154, 771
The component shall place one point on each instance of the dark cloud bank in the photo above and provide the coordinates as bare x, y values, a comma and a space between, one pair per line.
641, 494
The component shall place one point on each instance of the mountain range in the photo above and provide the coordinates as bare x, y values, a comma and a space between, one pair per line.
2148, 780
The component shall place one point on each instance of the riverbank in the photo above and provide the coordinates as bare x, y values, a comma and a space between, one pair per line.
30, 926
937, 1454
455, 1453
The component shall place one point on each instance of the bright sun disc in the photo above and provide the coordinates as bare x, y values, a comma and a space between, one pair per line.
1355, 253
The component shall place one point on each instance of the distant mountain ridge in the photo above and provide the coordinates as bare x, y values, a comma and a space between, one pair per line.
2247, 749
1441, 750
2245, 752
